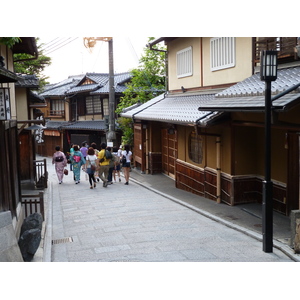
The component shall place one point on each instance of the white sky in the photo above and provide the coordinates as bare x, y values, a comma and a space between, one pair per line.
74, 58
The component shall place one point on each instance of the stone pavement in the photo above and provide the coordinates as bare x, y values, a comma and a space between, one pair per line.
151, 221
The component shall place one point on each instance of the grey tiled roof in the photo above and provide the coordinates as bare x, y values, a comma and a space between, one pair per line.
119, 84
56, 125
129, 112
27, 81
62, 87
87, 125
249, 94
99, 80
253, 86
83, 88
100, 85
254, 103
77, 125
174, 109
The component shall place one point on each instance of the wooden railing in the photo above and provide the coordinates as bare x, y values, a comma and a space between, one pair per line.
56, 113
33, 203
284, 45
41, 173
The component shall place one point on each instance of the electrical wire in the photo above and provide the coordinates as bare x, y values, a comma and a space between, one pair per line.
133, 52
49, 44
55, 44
95, 61
60, 45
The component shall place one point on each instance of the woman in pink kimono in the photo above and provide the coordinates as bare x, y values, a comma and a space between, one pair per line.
60, 161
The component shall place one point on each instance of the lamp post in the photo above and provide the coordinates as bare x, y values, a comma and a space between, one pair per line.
268, 73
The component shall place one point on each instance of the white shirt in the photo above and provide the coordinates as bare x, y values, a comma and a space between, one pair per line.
91, 159
127, 155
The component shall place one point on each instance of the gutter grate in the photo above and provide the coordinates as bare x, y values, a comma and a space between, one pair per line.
62, 241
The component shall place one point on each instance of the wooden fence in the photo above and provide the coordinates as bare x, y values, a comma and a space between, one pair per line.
41, 174
33, 203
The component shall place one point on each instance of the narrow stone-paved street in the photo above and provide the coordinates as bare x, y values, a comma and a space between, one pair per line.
133, 224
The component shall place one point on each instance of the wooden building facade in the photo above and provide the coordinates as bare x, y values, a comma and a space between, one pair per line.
207, 130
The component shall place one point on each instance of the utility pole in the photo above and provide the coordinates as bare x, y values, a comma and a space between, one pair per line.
111, 134
90, 42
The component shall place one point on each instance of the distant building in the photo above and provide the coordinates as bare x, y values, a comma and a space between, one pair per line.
77, 110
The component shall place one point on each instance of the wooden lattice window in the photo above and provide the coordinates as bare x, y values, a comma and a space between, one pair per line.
93, 105
195, 147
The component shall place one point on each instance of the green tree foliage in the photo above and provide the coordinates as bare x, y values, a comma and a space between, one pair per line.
148, 81
9, 41
24, 64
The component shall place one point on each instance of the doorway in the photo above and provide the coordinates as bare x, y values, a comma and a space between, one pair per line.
169, 151
293, 179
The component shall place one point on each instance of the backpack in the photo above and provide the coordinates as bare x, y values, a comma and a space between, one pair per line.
59, 158
108, 154
123, 159
117, 159
112, 161
77, 158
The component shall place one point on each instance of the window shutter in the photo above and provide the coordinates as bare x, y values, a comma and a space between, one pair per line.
184, 62
222, 53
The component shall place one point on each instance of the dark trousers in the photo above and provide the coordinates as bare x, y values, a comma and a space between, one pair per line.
110, 172
91, 178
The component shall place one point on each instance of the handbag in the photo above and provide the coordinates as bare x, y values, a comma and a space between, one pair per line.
66, 172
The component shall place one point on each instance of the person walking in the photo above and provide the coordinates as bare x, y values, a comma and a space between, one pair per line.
84, 149
77, 161
126, 154
112, 163
90, 165
120, 151
94, 146
71, 154
103, 163
60, 161
117, 168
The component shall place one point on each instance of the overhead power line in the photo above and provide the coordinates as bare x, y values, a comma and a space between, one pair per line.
60, 45
55, 43
49, 44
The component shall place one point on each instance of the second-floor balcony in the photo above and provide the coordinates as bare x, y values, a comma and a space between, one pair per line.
284, 45
56, 113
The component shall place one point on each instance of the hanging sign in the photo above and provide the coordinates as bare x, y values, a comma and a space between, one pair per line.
4, 104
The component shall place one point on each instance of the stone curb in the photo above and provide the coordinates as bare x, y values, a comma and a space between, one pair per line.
48, 229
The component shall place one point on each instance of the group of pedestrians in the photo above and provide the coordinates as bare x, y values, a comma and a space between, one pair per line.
104, 164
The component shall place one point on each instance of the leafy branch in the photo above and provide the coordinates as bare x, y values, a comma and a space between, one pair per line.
148, 81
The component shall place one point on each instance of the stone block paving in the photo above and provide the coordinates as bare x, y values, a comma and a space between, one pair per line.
133, 224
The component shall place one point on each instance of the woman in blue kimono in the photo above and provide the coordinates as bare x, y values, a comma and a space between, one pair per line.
77, 161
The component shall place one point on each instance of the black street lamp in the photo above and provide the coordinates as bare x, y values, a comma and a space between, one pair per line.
268, 73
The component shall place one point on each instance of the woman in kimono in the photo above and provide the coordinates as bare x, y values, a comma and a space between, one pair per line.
60, 161
77, 161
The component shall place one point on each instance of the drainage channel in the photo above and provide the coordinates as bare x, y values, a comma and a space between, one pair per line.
62, 241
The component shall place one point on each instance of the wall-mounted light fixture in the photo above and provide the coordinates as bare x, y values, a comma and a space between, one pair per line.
171, 130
